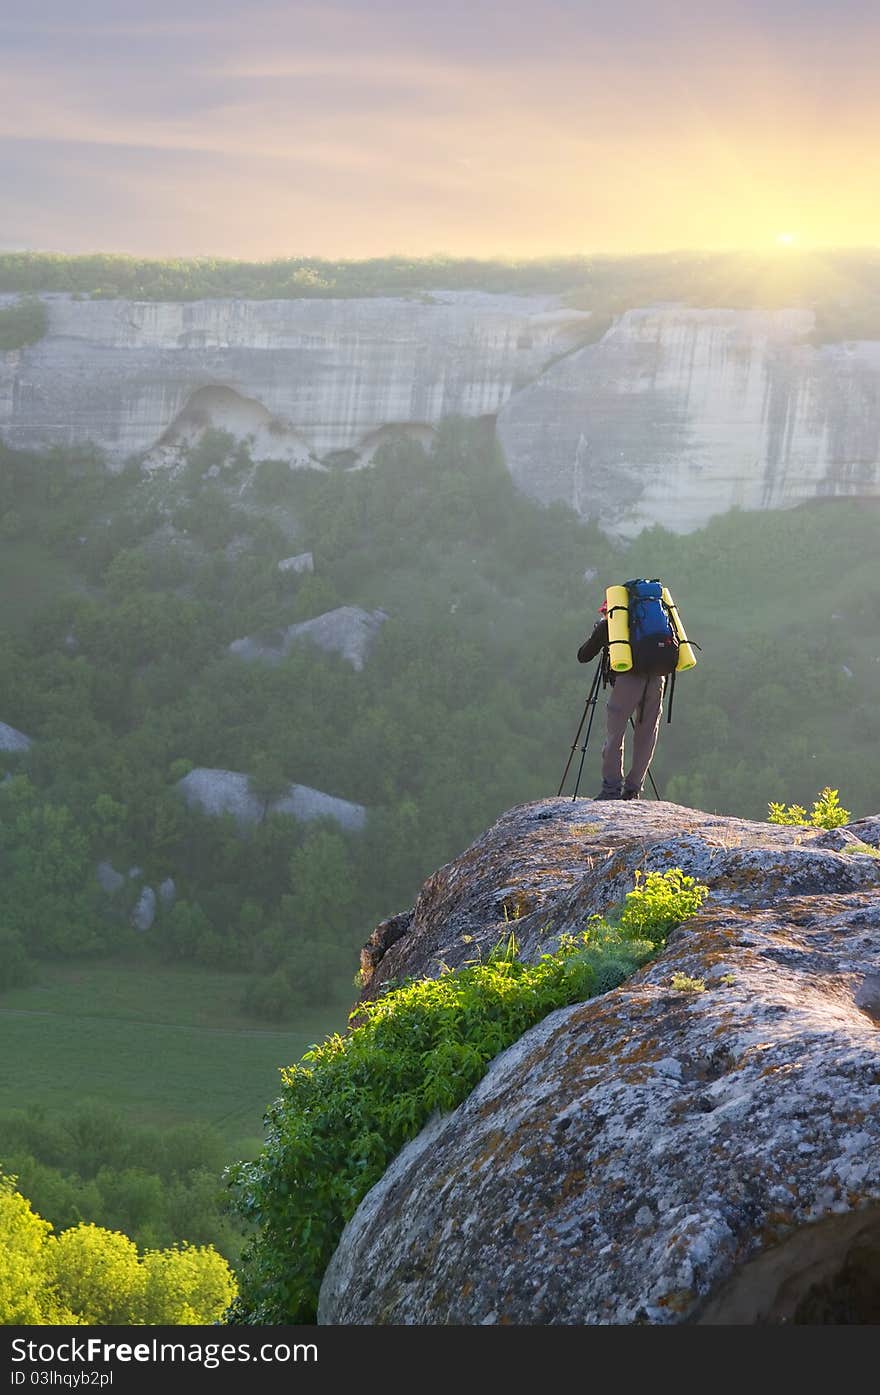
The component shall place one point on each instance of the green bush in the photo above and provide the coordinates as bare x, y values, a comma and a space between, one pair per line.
826, 812
662, 900
350, 1105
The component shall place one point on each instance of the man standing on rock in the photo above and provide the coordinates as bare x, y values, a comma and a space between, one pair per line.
631, 695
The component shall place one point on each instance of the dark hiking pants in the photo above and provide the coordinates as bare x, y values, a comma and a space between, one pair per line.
625, 701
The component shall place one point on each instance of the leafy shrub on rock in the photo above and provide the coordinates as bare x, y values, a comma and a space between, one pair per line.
352, 1103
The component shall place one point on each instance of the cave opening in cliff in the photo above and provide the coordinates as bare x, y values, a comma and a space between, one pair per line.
218, 407
393, 433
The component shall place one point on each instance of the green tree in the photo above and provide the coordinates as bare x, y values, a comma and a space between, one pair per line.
128, 573
15, 966
22, 323
23, 1273
322, 887
96, 1274
134, 1199
185, 1285
267, 781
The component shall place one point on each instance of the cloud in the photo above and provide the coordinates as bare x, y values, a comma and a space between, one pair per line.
561, 125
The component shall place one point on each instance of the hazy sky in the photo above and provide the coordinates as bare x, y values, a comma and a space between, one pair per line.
356, 128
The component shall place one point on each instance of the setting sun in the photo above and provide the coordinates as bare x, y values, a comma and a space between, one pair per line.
785, 239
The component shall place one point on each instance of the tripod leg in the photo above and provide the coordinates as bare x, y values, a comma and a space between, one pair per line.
591, 703
590, 700
573, 748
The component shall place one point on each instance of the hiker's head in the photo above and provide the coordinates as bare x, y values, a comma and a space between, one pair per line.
603, 609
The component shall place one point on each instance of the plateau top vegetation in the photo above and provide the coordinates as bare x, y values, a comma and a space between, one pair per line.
843, 287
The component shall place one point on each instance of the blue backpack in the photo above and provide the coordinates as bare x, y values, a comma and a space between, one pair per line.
652, 635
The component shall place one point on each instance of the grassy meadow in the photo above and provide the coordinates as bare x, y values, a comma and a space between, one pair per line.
160, 1045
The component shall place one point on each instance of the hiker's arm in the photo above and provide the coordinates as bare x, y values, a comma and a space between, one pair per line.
597, 640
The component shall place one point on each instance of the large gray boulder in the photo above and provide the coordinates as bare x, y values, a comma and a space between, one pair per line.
144, 913
302, 562
108, 878
13, 740
229, 792
348, 630
661, 1153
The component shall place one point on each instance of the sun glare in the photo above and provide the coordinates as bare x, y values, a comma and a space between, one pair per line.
785, 239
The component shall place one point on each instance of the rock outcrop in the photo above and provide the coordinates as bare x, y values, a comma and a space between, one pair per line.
229, 792
705, 1153
143, 912
348, 630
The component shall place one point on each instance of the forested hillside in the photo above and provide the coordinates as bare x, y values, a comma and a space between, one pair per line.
120, 598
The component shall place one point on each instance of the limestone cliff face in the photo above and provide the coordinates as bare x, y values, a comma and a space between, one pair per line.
673, 415
654, 1155
306, 378
678, 413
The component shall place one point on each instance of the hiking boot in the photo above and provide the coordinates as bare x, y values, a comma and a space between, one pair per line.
631, 794
608, 794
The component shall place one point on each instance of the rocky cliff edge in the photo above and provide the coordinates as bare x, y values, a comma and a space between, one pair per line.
657, 1154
